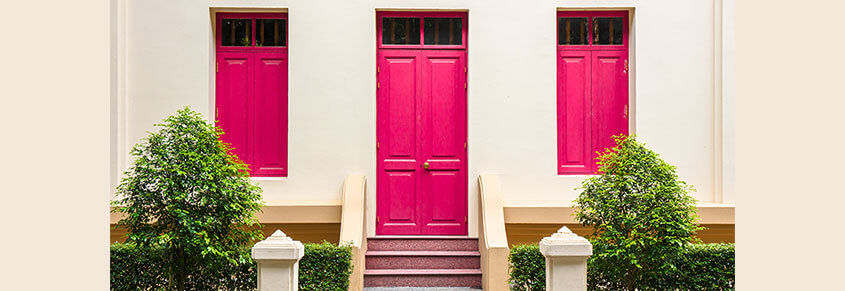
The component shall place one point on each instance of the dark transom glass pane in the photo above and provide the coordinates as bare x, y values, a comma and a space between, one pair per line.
443, 31
573, 31
400, 30
607, 30
236, 32
270, 32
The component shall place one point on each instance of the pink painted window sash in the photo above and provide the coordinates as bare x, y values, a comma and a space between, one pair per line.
592, 96
252, 98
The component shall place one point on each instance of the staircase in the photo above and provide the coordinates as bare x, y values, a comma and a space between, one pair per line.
422, 261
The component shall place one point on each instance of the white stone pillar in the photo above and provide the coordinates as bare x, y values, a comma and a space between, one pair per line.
278, 262
566, 260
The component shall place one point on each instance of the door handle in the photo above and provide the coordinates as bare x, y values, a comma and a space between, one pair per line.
425, 165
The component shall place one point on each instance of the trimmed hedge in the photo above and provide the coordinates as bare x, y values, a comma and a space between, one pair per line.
527, 268
699, 267
323, 267
706, 267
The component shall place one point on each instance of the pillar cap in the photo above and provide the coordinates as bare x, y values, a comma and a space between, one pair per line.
565, 243
278, 246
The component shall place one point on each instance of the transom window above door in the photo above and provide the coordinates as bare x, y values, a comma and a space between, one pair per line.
595, 30
252, 30
445, 30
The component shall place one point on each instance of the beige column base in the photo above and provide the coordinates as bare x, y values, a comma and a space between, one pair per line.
566, 260
278, 262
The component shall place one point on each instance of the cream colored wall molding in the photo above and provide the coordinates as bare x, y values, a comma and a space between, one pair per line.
300, 212
709, 213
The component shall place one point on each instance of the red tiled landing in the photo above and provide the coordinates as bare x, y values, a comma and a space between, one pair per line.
423, 278
423, 260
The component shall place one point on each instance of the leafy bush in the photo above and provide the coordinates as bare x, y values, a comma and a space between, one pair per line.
641, 215
134, 268
527, 268
705, 267
699, 267
323, 267
188, 198
142, 268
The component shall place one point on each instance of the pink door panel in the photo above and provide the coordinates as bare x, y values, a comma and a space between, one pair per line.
609, 97
270, 156
443, 119
398, 163
234, 95
574, 132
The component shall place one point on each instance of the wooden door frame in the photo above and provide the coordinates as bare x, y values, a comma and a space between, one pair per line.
421, 47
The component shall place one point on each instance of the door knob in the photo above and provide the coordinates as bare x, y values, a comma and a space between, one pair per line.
425, 165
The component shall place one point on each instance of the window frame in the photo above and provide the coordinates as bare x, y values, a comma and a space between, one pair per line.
590, 15
256, 50
422, 16
218, 34
589, 48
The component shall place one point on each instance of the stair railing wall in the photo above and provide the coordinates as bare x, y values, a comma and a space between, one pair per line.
353, 226
492, 239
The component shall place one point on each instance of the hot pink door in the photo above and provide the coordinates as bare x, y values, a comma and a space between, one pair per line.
422, 121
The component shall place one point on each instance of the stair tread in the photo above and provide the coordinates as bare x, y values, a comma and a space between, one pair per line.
432, 237
422, 272
424, 253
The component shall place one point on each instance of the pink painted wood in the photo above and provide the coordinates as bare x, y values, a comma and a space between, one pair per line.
251, 100
592, 97
234, 101
573, 112
609, 99
422, 119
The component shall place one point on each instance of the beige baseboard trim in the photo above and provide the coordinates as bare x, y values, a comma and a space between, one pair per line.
709, 213
305, 212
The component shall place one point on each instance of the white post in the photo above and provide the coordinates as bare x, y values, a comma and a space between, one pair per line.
278, 262
566, 260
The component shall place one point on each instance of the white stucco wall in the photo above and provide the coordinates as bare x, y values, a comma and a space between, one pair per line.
166, 58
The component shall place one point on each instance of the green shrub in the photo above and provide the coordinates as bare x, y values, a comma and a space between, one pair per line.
527, 268
188, 198
142, 268
705, 267
135, 268
641, 215
323, 267
699, 267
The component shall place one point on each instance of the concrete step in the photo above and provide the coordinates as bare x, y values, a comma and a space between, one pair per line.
422, 243
422, 278
423, 260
